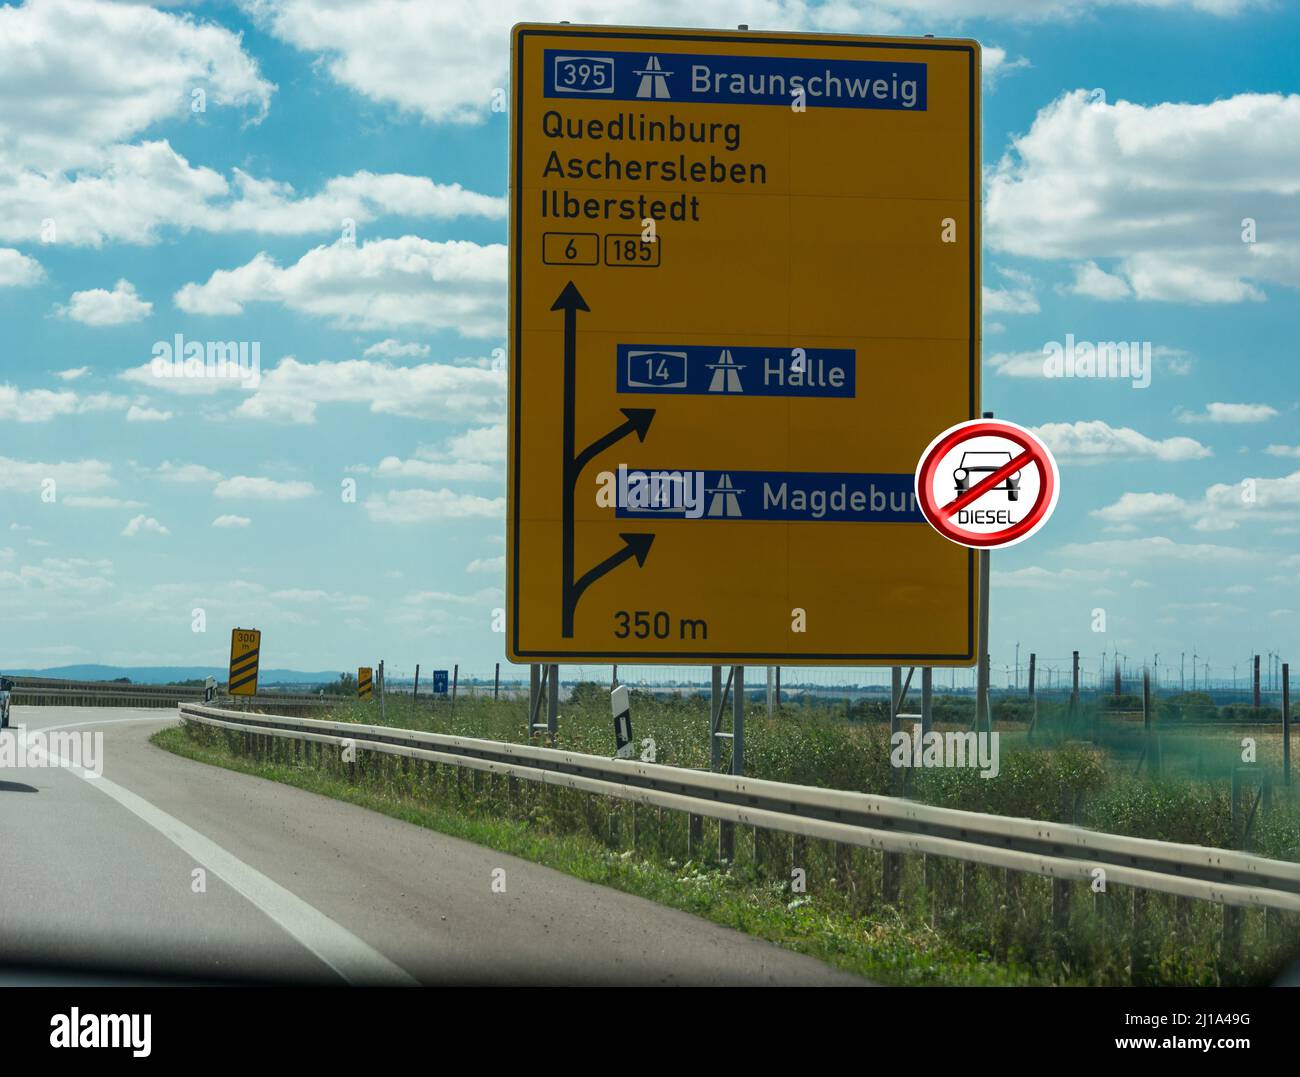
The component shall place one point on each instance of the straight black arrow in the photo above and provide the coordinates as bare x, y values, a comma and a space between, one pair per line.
635, 544
570, 301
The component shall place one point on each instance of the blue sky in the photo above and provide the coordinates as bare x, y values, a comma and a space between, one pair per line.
1124, 144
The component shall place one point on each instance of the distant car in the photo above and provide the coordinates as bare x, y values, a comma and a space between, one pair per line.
6, 692
974, 465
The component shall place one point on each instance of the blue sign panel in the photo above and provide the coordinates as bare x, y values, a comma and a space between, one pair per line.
735, 80
644, 493
718, 370
440, 681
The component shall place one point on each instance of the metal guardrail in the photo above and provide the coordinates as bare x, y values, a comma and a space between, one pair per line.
48, 691
887, 824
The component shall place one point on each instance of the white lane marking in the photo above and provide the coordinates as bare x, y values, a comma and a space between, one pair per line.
354, 960
93, 721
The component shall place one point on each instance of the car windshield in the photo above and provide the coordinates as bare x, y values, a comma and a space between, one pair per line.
511, 503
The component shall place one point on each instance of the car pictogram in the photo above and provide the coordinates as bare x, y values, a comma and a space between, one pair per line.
975, 464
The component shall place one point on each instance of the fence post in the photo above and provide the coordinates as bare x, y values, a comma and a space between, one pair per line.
382, 691
927, 699
1256, 693
771, 702
415, 692
1148, 726
1286, 723
738, 722
455, 676
1033, 693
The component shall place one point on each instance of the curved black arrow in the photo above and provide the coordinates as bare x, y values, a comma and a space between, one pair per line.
635, 544
638, 422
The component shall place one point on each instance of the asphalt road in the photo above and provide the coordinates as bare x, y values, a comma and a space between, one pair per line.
167, 866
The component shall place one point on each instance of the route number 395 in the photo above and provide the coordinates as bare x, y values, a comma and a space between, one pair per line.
584, 74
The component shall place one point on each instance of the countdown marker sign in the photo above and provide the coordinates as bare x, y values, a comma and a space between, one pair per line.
987, 483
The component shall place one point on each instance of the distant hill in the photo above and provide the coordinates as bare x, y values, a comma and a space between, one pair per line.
170, 674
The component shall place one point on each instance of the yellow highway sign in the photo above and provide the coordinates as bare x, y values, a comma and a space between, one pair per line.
365, 682
245, 645
744, 298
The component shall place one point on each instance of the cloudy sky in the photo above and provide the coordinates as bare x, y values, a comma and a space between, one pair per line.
189, 169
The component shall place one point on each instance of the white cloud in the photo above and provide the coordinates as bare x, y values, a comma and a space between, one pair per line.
293, 391
42, 405
228, 520
1036, 578
1018, 364
1160, 188
393, 349
1019, 298
263, 489
82, 501
1131, 508
425, 506
186, 472
89, 75
474, 456
1094, 282
73, 374
1223, 506
995, 66
1033, 364
1095, 441
1230, 413
492, 565
140, 190
386, 50
1284, 450
382, 284
1157, 547
143, 524
17, 270
97, 306
138, 414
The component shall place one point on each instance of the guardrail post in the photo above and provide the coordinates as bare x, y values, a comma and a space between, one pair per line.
1139, 951
1033, 693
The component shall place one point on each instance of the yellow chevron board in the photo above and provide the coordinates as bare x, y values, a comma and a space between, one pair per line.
365, 682
245, 646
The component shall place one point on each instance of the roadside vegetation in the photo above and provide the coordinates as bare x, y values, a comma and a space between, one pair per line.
955, 924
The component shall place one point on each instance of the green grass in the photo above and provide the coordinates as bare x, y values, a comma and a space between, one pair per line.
953, 926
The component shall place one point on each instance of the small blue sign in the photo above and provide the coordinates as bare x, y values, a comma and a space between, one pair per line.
718, 370
844, 497
440, 682
735, 80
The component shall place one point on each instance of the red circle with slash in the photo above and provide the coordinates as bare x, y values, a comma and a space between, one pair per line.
986, 483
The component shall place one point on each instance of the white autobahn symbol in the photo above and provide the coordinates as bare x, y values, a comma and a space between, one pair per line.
654, 80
